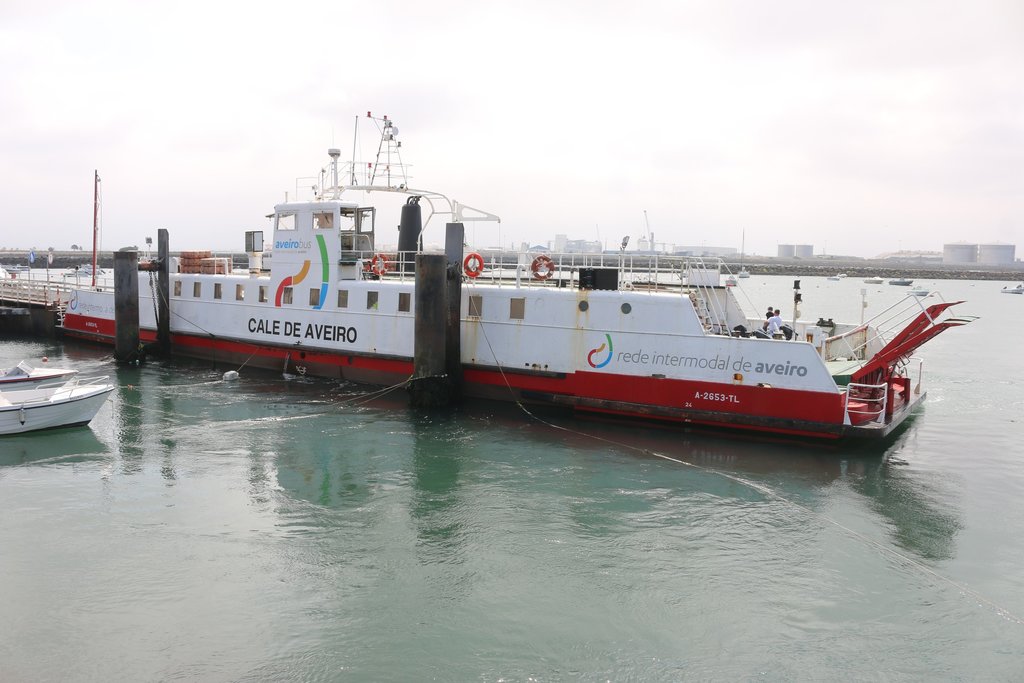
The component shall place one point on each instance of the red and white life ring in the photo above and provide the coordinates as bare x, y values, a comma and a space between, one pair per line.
379, 264
543, 267
473, 264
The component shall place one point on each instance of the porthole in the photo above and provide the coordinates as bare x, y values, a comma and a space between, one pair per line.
626, 308
584, 305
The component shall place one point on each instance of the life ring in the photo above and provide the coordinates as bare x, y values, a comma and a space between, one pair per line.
543, 267
473, 264
379, 264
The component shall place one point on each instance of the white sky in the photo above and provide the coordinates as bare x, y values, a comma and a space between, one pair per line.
857, 127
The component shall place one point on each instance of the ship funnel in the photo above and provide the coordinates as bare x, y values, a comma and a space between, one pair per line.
409, 232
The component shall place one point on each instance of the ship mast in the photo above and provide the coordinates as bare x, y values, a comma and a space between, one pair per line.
95, 220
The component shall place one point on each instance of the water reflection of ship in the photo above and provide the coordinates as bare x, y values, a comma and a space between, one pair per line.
921, 510
74, 445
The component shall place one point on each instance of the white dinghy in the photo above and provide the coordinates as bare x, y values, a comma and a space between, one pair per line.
63, 404
25, 376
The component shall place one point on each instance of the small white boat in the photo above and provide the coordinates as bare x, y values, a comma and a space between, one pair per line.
744, 273
47, 407
901, 281
1019, 289
840, 276
24, 376
873, 280
918, 291
730, 281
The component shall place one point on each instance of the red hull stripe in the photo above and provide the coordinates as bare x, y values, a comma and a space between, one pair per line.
597, 391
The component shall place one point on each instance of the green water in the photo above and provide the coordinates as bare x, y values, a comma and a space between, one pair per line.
282, 528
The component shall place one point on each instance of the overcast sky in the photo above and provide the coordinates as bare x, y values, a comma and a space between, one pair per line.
859, 128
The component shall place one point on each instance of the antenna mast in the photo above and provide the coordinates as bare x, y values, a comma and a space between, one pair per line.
95, 220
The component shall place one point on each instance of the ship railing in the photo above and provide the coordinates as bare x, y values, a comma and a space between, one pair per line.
863, 341
865, 403
695, 277
41, 293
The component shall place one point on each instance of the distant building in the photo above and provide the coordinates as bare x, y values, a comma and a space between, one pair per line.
959, 253
787, 251
996, 254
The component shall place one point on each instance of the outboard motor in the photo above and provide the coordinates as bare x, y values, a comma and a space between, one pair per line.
760, 334
787, 331
409, 230
739, 331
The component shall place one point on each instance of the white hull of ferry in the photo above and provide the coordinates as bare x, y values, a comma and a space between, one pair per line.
629, 353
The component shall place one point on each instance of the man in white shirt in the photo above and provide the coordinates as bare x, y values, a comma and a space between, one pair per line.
774, 323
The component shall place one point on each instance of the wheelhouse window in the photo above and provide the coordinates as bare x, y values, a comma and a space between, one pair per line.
239, 292
286, 295
371, 300
314, 297
216, 290
404, 302
286, 221
263, 294
323, 220
197, 289
177, 288
342, 298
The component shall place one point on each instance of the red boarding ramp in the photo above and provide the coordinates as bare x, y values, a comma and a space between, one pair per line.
923, 328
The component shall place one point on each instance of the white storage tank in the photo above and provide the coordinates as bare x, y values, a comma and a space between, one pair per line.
996, 254
803, 251
959, 252
787, 251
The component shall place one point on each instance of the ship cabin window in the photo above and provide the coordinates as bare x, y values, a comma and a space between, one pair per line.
371, 300
177, 288
216, 290
342, 298
239, 292
323, 220
286, 221
404, 301
197, 289
517, 308
314, 297
476, 305
263, 294
286, 295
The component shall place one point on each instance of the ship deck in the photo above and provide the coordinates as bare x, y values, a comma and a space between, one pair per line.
841, 370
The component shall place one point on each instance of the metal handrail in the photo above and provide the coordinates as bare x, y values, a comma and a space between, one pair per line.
872, 394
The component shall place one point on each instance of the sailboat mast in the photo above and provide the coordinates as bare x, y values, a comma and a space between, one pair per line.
95, 220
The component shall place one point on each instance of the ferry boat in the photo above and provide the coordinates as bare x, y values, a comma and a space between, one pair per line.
636, 336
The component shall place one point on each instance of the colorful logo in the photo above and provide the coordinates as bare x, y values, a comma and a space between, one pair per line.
597, 352
301, 275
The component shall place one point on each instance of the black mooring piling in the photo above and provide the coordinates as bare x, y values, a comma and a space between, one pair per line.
126, 306
431, 385
454, 244
163, 290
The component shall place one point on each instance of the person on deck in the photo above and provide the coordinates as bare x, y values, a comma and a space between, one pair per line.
774, 323
767, 317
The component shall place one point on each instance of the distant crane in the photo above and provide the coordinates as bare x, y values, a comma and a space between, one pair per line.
650, 235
